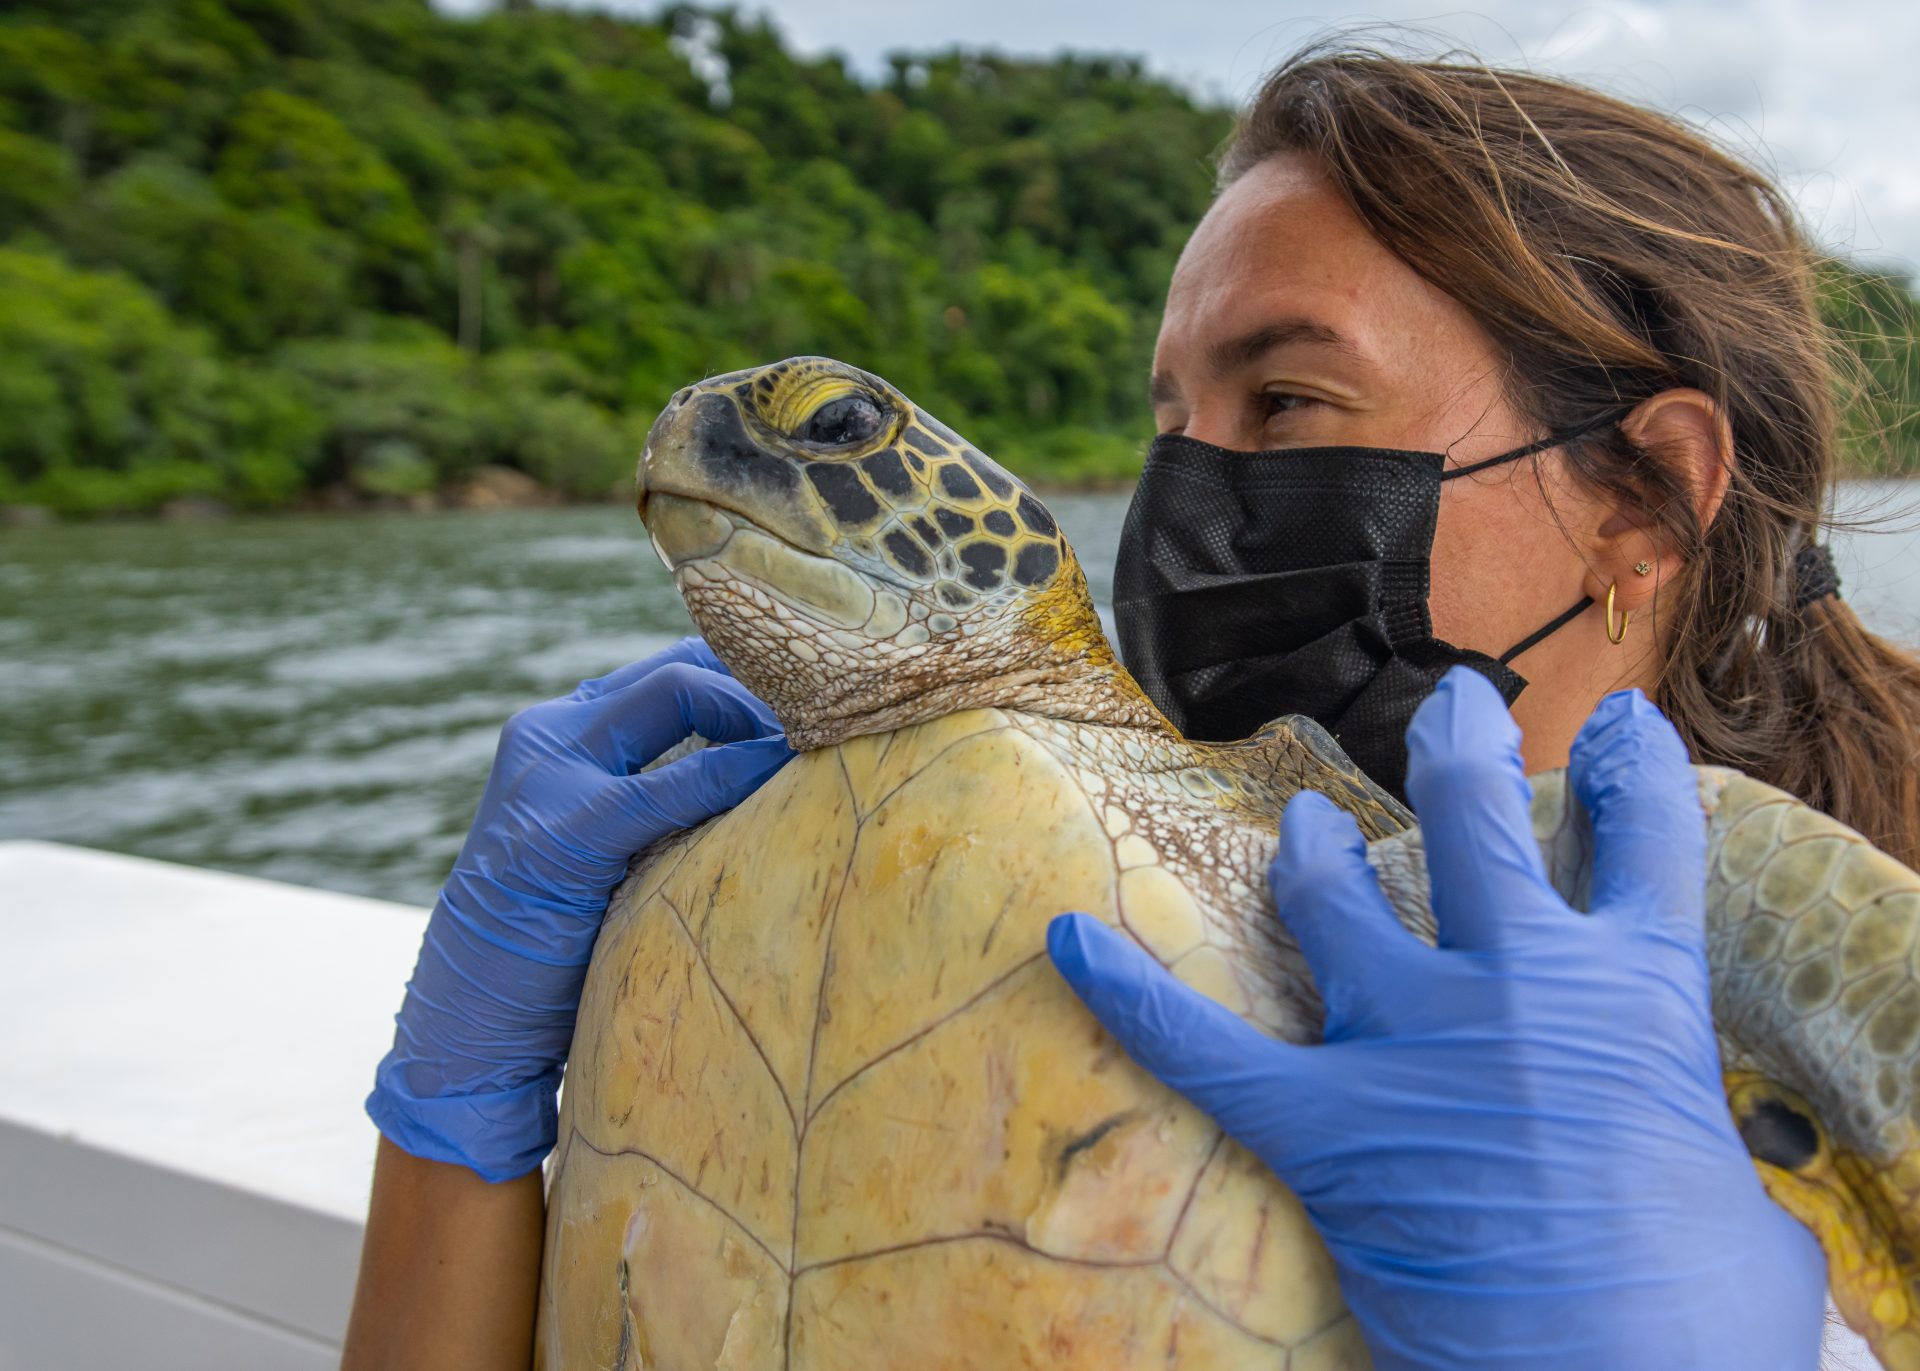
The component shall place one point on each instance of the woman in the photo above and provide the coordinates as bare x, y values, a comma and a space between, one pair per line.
1605, 325
1451, 259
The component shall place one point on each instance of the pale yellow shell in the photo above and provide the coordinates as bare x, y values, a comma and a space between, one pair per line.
830, 1106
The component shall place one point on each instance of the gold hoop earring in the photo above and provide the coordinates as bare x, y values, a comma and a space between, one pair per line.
1616, 636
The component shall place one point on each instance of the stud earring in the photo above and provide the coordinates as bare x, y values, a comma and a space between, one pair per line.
1643, 568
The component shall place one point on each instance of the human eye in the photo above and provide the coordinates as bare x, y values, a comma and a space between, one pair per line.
1278, 405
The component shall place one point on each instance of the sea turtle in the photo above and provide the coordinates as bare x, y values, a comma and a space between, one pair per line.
829, 1106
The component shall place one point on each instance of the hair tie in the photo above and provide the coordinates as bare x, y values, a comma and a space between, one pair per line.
1813, 575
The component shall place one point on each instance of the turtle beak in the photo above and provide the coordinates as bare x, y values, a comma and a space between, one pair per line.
1866, 1216
1862, 1204
1869, 1299
666, 423
700, 449
1878, 1295
1899, 1350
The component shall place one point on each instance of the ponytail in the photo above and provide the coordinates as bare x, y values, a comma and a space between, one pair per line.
1849, 736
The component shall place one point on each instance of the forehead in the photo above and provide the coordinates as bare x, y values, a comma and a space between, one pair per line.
1282, 243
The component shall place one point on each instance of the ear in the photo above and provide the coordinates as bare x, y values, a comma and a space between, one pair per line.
1684, 430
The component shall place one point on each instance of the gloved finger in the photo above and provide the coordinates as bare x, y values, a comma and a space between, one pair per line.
1330, 900
1195, 1045
693, 789
1630, 769
692, 651
1465, 780
629, 727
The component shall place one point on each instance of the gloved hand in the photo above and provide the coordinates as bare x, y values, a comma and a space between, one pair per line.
489, 1013
1516, 1144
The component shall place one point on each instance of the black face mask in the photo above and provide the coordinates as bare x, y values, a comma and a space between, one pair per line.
1255, 584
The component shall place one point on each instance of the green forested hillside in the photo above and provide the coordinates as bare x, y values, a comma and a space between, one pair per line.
252, 248
255, 249
1877, 317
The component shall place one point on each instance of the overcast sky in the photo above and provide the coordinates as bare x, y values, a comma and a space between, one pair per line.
1826, 94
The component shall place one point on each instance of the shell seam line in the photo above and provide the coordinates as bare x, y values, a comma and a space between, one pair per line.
989, 988
1186, 1205
1070, 768
981, 1235
700, 953
861, 818
681, 1181
1007, 1239
1224, 1316
805, 1117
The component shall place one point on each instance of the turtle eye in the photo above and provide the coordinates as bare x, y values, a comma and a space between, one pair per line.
842, 420
1776, 1132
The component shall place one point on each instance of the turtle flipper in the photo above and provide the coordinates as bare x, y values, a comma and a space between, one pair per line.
1298, 744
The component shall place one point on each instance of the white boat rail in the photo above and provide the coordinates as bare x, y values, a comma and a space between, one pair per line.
184, 1160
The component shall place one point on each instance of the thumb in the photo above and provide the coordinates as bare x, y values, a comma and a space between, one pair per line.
1200, 1048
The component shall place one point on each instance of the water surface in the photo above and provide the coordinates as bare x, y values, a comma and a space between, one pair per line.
316, 699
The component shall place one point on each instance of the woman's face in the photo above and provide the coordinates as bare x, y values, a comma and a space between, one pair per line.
1289, 325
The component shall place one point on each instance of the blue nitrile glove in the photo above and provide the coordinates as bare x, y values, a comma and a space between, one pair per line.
1515, 1144
489, 1013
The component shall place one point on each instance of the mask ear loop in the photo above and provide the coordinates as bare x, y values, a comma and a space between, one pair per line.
1560, 621
1547, 630
1552, 440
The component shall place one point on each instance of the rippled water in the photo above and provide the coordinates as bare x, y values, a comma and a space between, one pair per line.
316, 699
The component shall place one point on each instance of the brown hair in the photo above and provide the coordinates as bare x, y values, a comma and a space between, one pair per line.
1612, 253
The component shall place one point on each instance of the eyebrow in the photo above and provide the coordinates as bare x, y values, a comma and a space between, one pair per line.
1231, 354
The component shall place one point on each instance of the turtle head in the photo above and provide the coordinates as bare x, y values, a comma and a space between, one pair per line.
1856, 1184
860, 566
1813, 943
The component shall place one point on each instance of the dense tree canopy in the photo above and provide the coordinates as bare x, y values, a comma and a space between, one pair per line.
254, 248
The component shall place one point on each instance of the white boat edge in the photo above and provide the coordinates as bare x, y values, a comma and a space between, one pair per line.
184, 1159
